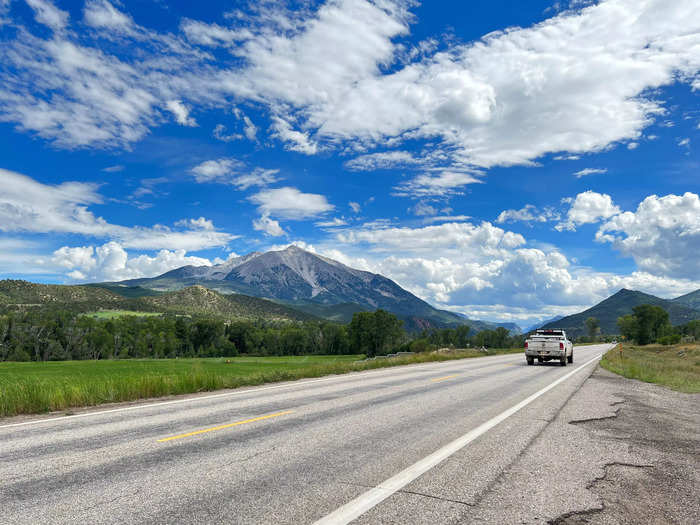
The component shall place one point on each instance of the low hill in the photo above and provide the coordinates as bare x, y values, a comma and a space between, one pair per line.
202, 301
691, 300
620, 304
84, 298
195, 300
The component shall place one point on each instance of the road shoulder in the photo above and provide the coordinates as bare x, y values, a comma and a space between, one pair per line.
620, 451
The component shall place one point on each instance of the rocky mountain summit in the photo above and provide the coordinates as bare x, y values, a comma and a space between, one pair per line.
308, 281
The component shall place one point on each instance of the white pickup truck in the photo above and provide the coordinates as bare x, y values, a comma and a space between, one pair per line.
548, 344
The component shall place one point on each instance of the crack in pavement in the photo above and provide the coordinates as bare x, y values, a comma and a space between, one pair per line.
435, 497
107, 502
606, 466
590, 420
414, 493
604, 418
564, 518
245, 459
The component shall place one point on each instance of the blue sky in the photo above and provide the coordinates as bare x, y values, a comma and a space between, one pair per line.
508, 160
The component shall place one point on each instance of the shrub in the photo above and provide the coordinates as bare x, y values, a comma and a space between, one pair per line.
671, 339
421, 345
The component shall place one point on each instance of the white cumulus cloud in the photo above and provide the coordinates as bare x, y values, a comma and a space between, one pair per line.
48, 14
29, 206
290, 203
662, 235
234, 172
528, 214
590, 171
181, 112
442, 184
102, 14
587, 208
268, 226
111, 262
294, 140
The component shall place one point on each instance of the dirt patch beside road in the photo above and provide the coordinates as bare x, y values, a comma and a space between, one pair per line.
658, 424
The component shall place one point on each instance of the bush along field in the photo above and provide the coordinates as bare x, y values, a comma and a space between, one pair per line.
674, 366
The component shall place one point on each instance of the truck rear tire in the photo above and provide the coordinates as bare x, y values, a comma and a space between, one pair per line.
563, 361
530, 360
571, 357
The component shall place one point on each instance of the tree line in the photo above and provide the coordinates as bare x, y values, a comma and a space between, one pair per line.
650, 324
461, 337
56, 335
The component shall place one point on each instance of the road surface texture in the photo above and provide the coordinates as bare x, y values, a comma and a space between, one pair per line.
477, 440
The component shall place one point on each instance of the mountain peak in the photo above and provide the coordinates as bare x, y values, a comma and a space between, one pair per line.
293, 248
300, 277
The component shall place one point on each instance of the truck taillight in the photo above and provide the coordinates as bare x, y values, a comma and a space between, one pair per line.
525, 345
561, 346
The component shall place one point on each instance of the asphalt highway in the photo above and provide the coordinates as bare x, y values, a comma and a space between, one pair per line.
412, 444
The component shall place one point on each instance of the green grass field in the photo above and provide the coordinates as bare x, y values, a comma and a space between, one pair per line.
113, 314
676, 366
29, 388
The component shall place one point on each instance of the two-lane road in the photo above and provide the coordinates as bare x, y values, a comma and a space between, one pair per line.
419, 443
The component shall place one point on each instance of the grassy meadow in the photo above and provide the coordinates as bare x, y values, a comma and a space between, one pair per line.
36, 387
675, 366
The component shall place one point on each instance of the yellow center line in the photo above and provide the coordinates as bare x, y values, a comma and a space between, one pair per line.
221, 427
442, 378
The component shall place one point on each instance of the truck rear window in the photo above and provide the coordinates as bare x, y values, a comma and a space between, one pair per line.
550, 332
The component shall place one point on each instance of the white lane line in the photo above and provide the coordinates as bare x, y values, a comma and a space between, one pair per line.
340, 377
373, 497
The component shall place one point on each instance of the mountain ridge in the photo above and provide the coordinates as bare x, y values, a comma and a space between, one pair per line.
691, 300
621, 303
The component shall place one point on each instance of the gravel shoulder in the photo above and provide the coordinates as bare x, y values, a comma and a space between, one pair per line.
620, 451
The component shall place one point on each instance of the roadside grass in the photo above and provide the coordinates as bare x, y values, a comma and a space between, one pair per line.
114, 314
675, 366
37, 387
